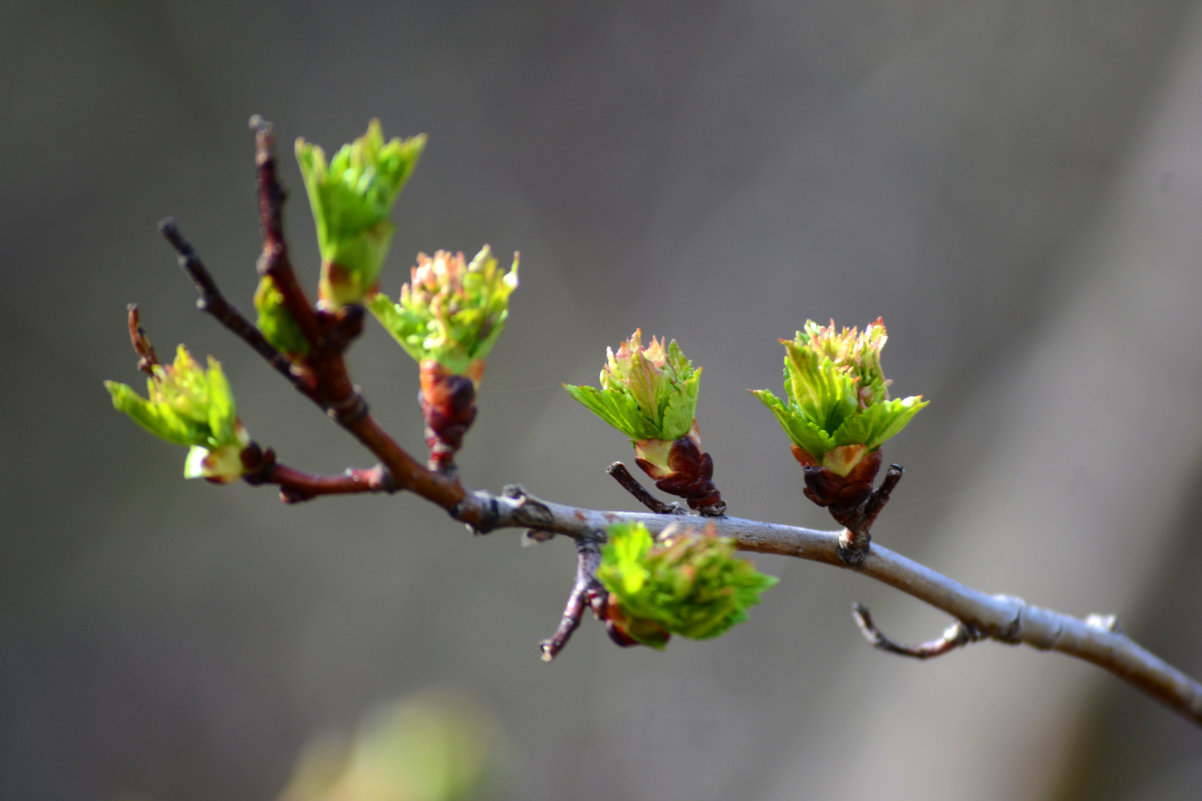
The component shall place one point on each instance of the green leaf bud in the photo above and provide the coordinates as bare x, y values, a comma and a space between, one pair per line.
451, 311
190, 405
276, 322
352, 197
685, 582
837, 408
646, 393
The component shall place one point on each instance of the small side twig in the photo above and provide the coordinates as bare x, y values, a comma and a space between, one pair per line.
274, 262
857, 537
322, 377
631, 484
297, 486
957, 635
586, 592
137, 337
880, 496
212, 302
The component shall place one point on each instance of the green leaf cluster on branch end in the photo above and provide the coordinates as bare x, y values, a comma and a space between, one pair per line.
650, 395
837, 410
452, 311
187, 404
352, 197
448, 318
687, 582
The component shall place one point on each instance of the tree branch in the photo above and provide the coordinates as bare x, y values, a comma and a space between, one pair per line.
212, 302
323, 378
586, 591
274, 262
296, 486
1096, 639
1002, 618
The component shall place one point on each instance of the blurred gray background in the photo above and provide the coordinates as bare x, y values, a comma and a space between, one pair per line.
1016, 186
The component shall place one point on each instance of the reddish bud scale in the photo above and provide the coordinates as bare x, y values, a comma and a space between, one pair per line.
448, 405
619, 627
844, 495
690, 476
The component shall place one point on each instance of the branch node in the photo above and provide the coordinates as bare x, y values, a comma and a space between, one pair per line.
852, 549
350, 410
1104, 622
1010, 634
857, 514
487, 521
958, 635
536, 536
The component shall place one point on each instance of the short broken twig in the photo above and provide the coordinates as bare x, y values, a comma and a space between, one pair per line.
631, 484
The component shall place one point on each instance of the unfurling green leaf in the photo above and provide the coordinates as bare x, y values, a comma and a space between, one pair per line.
190, 405
646, 393
836, 395
685, 582
352, 198
275, 321
451, 311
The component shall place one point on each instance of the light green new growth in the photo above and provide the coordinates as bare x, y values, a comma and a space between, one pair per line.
427, 748
836, 394
646, 393
276, 323
352, 198
189, 405
689, 582
451, 311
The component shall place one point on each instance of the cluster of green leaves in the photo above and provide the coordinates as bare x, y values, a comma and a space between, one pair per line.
352, 197
688, 582
836, 408
451, 311
646, 393
189, 405
836, 394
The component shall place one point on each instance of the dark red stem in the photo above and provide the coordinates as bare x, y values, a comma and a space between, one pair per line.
296, 486
619, 473
137, 337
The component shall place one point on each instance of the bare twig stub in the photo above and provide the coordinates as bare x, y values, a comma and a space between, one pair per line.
137, 337
619, 473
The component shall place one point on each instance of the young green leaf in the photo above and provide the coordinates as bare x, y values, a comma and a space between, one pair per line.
685, 582
451, 311
646, 393
352, 197
190, 405
836, 396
